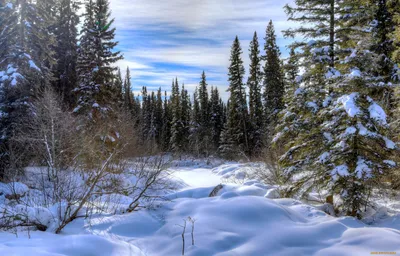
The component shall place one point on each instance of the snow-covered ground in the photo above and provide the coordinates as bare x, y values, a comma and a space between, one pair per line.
243, 219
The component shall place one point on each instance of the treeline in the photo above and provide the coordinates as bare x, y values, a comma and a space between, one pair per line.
202, 123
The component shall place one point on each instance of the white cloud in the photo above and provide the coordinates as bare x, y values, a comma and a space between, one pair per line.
195, 33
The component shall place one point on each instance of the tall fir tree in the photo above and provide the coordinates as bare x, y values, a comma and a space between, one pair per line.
96, 63
67, 21
204, 132
347, 147
176, 123
185, 118
119, 89
273, 83
167, 119
217, 119
158, 118
255, 102
234, 138
195, 125
26, 67
127, 89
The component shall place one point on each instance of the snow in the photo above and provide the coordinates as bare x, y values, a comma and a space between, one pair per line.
203, 177
313, 105
389, 143
324, 157
33, 65
349, 104
377, 113
311, 43
390, 163
341, 170
298, 91
332, 73
349, 131
244, 218
355, 73
328, 136
362, 169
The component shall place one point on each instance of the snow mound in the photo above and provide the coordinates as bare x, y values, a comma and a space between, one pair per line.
43, 244
253, 225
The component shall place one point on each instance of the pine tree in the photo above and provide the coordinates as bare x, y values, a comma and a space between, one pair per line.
273, 82
26, 66
217, 112
234, 140
127, 89
320, 14
255, 103
298, 132
119, 89
145, 120
167, 119
195, 124
185, 118
204, 131
95, 63
66, 50
350, 150
176, 124
291, 73
158, 118
204, 103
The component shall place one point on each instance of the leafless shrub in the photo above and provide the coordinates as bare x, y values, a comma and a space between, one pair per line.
271, 173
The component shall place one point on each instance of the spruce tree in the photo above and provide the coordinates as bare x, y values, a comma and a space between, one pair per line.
176, 123
96, 63
127, 89
291, 73
273, 83
26, 67
217, 112
66, 50
119, 89
255, 102
350, 151
234, 138
204, 132
322, 29
185, 118
167, 119
195, 124
158, 118
145, 120
298, 132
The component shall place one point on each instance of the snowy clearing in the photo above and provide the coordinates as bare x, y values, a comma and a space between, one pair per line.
240, 220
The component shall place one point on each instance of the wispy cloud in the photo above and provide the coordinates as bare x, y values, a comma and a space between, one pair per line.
167, 38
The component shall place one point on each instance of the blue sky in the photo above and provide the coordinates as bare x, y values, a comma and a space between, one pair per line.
163, 39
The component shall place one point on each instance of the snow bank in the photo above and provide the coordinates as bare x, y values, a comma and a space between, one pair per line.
43, 243
252, 225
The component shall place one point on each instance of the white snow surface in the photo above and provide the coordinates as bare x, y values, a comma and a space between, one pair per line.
241, 220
